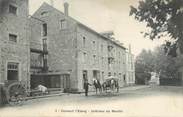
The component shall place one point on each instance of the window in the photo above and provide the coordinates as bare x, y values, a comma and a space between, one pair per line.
44, 13
102, 48
84, 42
44, 44
109, 61
12, 66
84, 57
94, 59
12, 71
102, 76
102, 61
124, 58
94, 45
109, 73
120, 76
63, 24
44, 29
13, 38
36, 60
13, 9
110, 48
114, 74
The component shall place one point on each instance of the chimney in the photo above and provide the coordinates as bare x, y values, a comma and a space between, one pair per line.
52, 3
66, 9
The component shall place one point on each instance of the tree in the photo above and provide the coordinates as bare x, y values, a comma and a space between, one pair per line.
165, 65
156, 61
144, 65
164, 18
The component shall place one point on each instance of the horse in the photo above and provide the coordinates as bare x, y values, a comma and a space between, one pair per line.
105, 85
97, 85
112, 84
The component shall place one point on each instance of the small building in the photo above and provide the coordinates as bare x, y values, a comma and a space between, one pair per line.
14, 41
59, 43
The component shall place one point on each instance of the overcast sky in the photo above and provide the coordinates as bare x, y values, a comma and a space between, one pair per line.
104, 15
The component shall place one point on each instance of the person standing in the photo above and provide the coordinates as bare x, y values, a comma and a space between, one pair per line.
86, 87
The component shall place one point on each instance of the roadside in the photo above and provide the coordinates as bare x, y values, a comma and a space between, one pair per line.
128, 99
128, 88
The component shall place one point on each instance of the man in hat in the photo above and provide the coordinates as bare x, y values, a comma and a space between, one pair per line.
86, 86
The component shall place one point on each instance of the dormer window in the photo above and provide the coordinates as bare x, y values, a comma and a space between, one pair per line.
44, 13
13, 9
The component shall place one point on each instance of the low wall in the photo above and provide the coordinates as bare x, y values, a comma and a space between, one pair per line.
171, 81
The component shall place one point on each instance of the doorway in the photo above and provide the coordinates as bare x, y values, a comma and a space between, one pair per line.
124, 79
85, 77
96, 74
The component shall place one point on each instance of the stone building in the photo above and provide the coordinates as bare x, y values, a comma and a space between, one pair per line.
61, 45
14, 42
130, 67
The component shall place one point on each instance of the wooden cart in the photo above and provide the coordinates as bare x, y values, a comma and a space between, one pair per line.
16, 92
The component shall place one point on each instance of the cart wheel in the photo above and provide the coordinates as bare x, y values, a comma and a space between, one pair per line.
16, 93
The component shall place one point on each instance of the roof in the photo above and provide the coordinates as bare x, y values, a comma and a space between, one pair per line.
93, 31
82, 25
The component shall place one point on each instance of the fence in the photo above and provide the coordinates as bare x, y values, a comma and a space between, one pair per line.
171, 81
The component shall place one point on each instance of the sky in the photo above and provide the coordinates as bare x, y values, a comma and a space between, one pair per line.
106, 15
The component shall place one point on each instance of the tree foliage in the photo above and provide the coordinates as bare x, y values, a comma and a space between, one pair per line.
144, 65
163, 17
156, 61
165, 65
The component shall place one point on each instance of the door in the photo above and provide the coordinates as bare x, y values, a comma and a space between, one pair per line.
85, 77
96, 74
66, 81
124, 79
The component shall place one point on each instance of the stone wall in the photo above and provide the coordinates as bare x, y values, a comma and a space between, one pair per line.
15, 51
61, 43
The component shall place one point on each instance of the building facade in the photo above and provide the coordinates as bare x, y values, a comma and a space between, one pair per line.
14, 41
59, 43
130, 67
